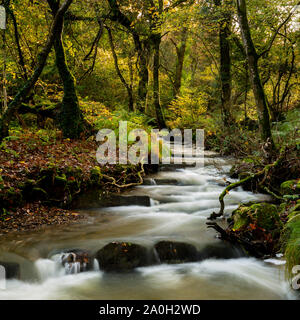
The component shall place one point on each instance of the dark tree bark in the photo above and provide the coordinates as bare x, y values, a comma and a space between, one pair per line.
70, 119
252, 58
127, 86
225, 65
180, 52
25, 90
156, 40
142, 48
17, 37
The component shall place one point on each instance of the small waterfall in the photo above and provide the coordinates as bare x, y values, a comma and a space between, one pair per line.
153, 203
96, 265
48, 269
152, 182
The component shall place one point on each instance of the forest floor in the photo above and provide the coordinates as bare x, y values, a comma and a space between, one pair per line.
39, 176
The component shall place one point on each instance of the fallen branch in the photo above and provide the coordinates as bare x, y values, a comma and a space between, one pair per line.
264, 172
258, 250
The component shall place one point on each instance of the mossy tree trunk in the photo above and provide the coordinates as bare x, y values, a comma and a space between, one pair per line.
143, 73
42, 58
252, 58
180, 52
142, 49
71, 118
126, 85
156, 40
225, 63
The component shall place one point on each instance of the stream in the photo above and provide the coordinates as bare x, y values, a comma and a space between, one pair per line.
181, 201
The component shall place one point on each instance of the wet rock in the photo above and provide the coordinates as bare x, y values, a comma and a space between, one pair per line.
160, 182
117, 201
175, 166
122, 257
221, 250
151, 168
176, 252
77, 259
12, 270
96, 199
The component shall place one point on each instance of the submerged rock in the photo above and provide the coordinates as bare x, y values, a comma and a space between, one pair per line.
96, 199
176, 252
122, 257
221, 250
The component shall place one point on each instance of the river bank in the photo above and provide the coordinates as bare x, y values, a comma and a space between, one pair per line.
41, 179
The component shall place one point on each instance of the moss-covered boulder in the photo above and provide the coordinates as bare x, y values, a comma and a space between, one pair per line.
291, 187
176, 252
261, 215
122, 257
290, 241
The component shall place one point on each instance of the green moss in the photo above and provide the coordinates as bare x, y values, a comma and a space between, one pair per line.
264, 215
293, 214
291, 242
75, 172
290, 187
61, 179
96, 175
1, 182
13, 198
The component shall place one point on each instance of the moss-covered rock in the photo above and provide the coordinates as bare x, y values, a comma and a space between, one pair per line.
263, 215
122, 257
290, 187
290, 241
96, 175
176, 252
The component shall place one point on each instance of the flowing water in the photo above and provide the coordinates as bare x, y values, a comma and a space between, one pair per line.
178, 213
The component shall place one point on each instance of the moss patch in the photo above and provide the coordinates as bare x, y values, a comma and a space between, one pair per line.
291, 241
290, 187
262, 215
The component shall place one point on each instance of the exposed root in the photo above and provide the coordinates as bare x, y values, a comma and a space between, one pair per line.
134, 184
264, 172
256, 249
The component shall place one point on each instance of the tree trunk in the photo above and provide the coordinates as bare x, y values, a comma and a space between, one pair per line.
143, 74
142, 50
70, 118
180, 52
252, 57
127, 86
225, 65
156, 40
25, 90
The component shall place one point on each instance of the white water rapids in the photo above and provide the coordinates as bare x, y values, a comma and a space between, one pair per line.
178, 213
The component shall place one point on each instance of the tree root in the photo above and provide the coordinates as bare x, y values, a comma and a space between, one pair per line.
257, 250
134, 184
264, 172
